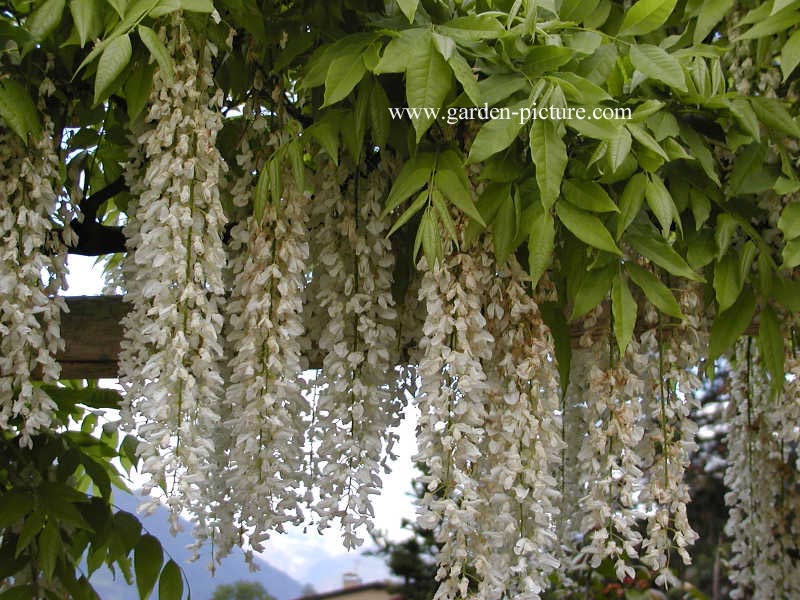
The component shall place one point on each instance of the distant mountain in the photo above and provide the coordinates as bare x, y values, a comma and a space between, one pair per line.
233, 568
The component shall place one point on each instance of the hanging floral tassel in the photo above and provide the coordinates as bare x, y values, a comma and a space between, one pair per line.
522, 446
353, 309
171, 352
30, 310
265, 398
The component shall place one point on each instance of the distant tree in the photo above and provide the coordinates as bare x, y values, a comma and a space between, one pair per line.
308, 590
241, 590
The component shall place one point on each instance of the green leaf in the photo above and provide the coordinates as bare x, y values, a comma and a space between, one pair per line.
586, 227
414, 174
787, 292
656, 63
772, 112
343, 75
495, 135
18, 592
326, 132
708, 16
701, 207
588, 195
465, 76
30, 529
662, 254
641, 135
541, 240
429, 238
413, 209
541, 59
791, 254
724, 231
660, 202
85, 15
170, 584
409, 8
199, 6
790, 55
728, 326
112, 62
395, 55
789, 221
452, 186
158, 51
504, 230
137, 89
727, 282
699, 150
646, 16
473, 28
771, 346
587, 92
619, 147
780, 21
147, 558
49, 547
592, 289
379, 115
623, 308
655, 291
119, 6
45, 19
18, 110
427, 83
94, 397
630, 203
437, 200
13, 506
261, 194
549, 154
553, 316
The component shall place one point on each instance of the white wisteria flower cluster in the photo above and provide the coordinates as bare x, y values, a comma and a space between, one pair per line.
172, 349
32, 269
354, 323
265, 405
762, 498
490, 432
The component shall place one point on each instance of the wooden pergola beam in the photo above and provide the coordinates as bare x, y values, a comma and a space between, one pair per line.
92, 334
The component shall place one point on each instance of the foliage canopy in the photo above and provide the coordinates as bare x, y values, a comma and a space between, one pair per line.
547, 290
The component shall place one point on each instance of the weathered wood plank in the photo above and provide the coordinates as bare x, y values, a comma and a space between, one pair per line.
92, 334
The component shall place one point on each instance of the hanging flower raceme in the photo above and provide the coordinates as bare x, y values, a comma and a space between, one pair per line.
669, 364
763, 499
609, 396
353, 310
265, 401
519, 475
32, 269
452, 402
170, 356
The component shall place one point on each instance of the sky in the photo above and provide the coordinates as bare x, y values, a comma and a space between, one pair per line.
310, 557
